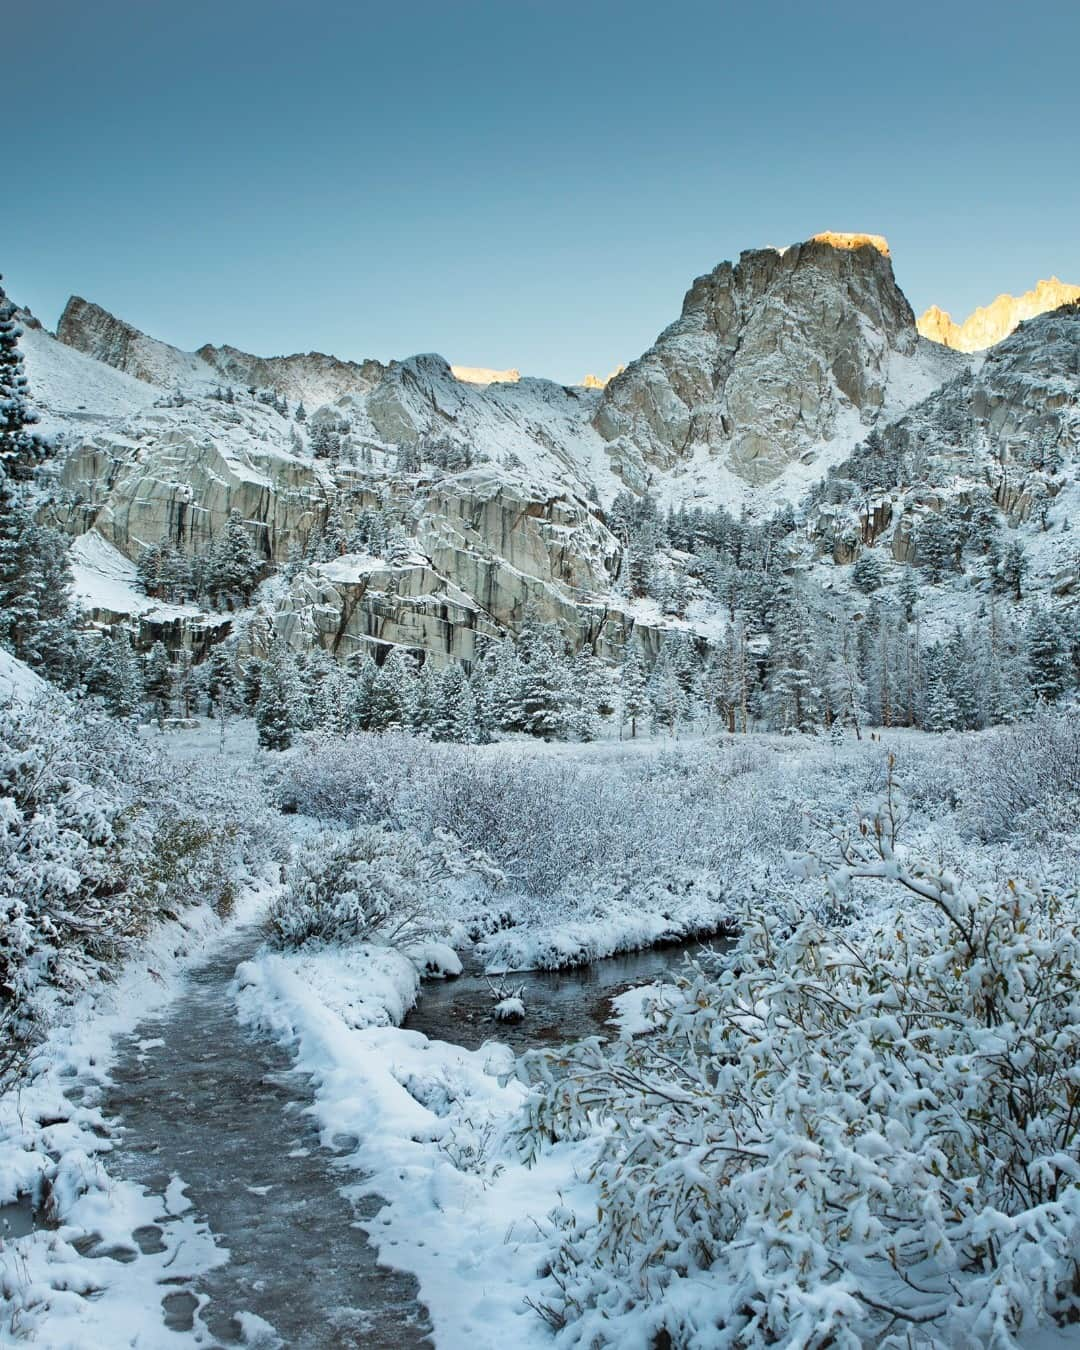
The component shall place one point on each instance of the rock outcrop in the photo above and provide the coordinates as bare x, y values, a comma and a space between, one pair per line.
989, 324
772, 359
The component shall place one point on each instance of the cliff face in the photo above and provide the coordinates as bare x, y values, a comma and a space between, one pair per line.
777, 368
772, 359
989, 324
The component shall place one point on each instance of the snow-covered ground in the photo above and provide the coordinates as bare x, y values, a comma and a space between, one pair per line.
55, 1146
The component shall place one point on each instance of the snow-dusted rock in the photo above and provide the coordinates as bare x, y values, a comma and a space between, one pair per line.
772, 359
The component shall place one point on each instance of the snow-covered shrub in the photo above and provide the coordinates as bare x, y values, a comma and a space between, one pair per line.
369, 882
99, 839
1011, 771
836, 1137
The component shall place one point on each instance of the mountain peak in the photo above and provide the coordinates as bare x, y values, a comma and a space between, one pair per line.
987, 325
838, 239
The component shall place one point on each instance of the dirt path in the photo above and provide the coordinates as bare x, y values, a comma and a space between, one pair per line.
226, 1113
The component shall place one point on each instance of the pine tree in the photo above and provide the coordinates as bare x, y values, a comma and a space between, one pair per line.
36, 616
158, 679
424, 701
21, 449
1013, 568
908, 594
868, 573
276, 705
390, 693
483, 707
364, 673
251, 683
148, 570
1048, 657
222, 690
543, 693
632, 687
935, 543
233, 568
123, 688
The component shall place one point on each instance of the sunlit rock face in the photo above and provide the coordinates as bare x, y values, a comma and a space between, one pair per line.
772, 359
482, 375
991, 323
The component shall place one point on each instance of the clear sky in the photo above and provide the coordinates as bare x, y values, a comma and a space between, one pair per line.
519, 184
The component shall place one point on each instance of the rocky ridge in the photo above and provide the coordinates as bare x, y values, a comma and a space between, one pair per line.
990, 324
779, 366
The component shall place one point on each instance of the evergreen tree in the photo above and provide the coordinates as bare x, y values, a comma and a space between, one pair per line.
424, 701
390, 693
233, 567
1048, 657
483, 707
908, 594
1013, 568
364, 673
935, 544
21, 449
251, 683
633, 686
222, 688
36, 616
158, 679
276, 704
123, 687
543, 693
868, 573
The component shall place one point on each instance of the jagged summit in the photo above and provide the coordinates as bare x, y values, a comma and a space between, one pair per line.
839, 239
777, 366
774, 359
989, 324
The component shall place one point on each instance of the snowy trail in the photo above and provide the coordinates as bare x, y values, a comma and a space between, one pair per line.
226, 1113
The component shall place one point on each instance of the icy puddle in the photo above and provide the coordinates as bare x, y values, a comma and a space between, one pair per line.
207, 1102
560, 1005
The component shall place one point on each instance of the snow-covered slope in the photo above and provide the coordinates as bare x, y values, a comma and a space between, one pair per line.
71, 388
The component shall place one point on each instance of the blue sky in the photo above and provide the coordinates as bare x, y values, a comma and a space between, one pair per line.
517, 183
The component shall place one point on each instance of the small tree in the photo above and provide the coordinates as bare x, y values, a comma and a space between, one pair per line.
275, 710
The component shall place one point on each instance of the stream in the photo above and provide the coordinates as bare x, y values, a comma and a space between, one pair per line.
226, 1112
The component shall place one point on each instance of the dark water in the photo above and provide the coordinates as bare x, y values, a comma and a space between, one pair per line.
227, 1113
560, 1005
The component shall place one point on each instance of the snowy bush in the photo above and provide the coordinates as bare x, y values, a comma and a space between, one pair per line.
370, 882
99, 839
836, 1138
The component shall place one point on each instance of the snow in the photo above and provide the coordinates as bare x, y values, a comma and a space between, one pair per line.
73, 391
18, 683
415, 1104
42, 1273
104, 579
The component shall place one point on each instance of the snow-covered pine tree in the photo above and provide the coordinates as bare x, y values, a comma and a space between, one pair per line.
1049, 667
633, 685
233, 568
122, 691
251, 683
543, 685
275, 709
424, 701
390, 693
21, 448
364, 673
483, 710
908, 594
158, 680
